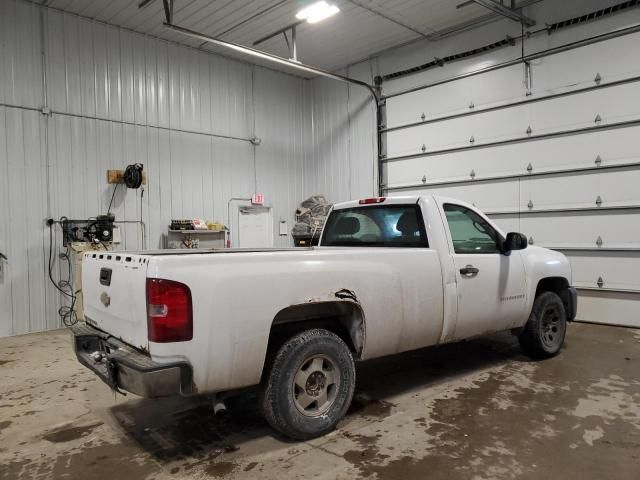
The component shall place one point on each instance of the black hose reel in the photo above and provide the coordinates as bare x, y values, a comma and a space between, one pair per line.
133, 175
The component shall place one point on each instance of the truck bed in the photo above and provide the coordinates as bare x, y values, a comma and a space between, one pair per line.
200, 251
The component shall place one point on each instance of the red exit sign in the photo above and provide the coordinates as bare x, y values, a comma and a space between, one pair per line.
257, 199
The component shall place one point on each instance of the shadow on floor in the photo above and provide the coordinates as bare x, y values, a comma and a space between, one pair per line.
178, 428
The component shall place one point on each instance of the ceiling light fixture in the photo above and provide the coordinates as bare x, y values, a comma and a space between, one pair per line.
316, 12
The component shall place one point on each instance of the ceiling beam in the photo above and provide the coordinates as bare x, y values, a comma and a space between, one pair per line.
270, 57
503, 10
278, 32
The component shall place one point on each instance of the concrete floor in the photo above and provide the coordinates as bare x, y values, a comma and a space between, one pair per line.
476, 410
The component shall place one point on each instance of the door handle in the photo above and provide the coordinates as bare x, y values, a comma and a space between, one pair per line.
469, 270
3, 256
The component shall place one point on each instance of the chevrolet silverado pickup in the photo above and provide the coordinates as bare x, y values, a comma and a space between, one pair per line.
389, 275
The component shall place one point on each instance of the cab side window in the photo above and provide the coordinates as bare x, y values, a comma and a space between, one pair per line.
470, 232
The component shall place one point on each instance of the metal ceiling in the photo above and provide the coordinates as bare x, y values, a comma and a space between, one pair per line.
361, 29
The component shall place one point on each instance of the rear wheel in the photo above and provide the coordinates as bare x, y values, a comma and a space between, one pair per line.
543, 335
310, 385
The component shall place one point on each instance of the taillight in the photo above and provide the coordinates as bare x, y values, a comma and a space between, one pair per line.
367, 201
169, 311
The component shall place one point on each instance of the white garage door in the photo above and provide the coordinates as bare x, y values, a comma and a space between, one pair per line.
559, 162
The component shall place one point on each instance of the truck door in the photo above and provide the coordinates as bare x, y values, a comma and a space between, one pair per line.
490, 285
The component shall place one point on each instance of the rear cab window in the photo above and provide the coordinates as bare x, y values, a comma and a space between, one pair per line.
376, 226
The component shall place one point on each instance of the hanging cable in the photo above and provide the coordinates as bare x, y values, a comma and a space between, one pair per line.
67, 313
144, 242
115, 189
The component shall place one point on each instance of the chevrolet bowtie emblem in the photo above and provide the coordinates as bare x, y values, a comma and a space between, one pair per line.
105, 299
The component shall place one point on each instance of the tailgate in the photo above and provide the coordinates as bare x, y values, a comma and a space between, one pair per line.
114, 294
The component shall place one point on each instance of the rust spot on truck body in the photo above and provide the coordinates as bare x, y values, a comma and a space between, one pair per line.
345, 294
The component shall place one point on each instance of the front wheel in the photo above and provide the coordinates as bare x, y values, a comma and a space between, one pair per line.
543, 335
310, 385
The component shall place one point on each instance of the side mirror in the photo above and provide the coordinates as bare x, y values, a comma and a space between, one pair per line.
514, 241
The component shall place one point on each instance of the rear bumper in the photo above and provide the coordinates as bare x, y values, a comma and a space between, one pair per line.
125, 368
573, 304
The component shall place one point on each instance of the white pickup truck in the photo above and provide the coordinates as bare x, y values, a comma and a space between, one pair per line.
389, 275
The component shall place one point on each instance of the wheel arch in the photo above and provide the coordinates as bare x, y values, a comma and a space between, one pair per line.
342, 316
559, 286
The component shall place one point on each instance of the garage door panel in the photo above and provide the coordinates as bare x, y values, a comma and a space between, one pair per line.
507, 223
498, 86
551, 73
433, 102
597, 307
410, 141
498, 196
617, 146
615, 188
611, 105
456, 97
581, 179
616, 229
618, 270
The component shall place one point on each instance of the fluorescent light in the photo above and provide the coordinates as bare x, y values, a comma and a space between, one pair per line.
317, 12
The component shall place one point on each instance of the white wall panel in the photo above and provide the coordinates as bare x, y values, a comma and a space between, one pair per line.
344, 137
100, 70
363, 145
117, 98
20, 66
284, 164
23, 289
331, 136
189, 175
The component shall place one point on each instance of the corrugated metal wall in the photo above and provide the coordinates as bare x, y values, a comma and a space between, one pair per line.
117, 97
23, 174
344, 140
284, 160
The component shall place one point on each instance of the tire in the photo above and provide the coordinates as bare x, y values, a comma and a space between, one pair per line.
309, 386
544, 333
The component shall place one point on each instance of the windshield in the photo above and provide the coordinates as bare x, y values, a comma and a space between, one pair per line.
379, 226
